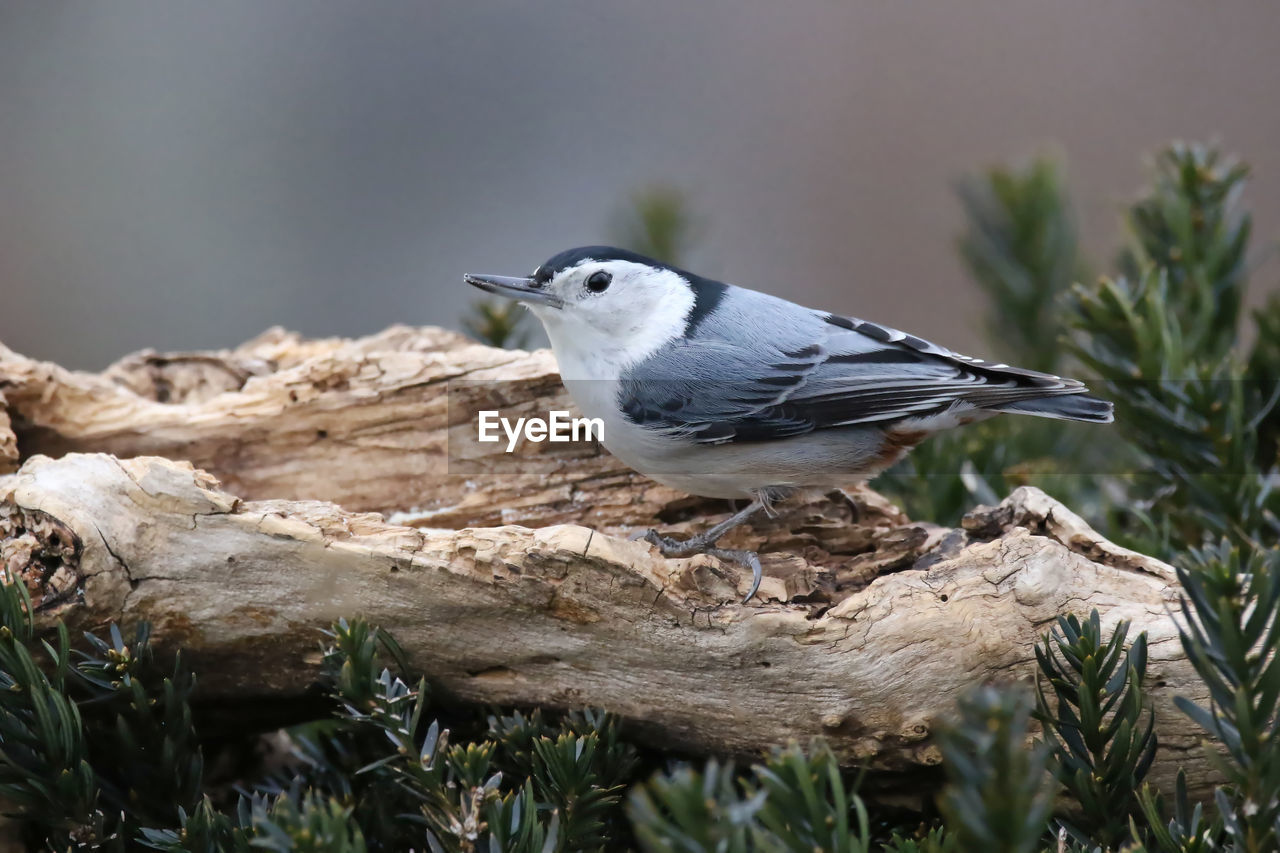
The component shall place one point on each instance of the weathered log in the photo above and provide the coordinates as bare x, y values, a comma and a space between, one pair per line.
866, 628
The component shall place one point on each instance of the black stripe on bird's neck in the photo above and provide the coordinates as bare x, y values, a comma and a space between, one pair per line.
707, 294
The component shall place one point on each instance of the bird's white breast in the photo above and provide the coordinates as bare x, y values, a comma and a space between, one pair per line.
591, 365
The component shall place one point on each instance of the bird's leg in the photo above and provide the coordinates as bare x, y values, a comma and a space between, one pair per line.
703, 543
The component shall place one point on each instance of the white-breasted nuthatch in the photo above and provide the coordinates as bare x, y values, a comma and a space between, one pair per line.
725, 392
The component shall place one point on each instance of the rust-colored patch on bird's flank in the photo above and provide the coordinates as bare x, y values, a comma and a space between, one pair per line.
897, 442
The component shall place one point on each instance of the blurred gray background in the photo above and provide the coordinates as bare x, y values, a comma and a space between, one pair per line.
182, 175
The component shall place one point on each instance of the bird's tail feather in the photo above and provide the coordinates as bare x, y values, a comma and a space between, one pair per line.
1066, 407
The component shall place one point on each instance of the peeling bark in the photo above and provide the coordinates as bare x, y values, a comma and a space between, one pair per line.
866, 627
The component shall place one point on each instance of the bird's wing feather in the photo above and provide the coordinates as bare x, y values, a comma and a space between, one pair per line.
846, 372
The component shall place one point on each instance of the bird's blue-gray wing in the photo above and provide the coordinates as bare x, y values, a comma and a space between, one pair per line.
816, 372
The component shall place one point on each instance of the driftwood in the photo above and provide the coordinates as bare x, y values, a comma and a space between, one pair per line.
867, 625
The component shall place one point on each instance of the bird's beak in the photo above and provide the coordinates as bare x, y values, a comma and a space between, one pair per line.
520, 289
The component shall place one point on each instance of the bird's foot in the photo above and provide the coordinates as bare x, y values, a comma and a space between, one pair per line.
703, 545
674, 547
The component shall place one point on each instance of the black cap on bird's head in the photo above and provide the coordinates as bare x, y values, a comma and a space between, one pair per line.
536, 290
570, 258
533, 289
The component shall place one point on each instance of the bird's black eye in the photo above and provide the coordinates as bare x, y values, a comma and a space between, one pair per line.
599, 282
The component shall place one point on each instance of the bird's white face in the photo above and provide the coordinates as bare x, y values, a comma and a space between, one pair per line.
635, 306
602, 315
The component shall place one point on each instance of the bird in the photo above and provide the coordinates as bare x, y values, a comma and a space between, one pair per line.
725, 392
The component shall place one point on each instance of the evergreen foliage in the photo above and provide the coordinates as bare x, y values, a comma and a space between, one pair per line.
999, 798
797, 801
1094, 722
1231, 610
1163, 341
94, 743
1198, 415
385, 777
1190, 829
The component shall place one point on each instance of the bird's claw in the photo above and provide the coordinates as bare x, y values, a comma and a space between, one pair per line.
683, 548
746, 559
